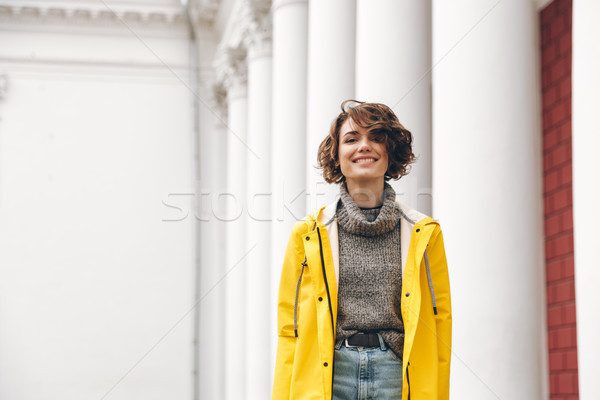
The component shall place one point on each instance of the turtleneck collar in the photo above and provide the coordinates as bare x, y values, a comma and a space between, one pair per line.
352, 219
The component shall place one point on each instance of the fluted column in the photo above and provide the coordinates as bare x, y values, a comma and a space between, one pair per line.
236, 261
288, 172
487, 184
586, 193
258, 176
331, 59
393, 62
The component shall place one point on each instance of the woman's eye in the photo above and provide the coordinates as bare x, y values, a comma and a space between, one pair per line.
350, 140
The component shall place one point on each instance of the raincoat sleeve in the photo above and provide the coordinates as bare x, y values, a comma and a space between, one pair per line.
286, 345
441, 281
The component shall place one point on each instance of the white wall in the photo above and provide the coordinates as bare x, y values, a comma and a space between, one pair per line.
586, 193
95, 282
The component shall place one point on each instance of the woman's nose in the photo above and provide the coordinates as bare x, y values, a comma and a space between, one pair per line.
364, 145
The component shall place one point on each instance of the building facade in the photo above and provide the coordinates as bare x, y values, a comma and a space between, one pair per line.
155, 154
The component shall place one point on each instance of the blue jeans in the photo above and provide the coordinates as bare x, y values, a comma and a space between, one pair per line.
367, 373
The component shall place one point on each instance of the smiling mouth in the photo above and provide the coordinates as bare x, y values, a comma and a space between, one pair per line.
364, 160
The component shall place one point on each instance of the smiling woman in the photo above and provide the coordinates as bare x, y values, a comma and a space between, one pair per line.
362, 159
380, 126
364, 297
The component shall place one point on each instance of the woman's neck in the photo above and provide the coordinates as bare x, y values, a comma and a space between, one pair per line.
366, 194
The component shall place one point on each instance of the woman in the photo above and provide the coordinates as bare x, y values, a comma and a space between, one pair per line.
364, 297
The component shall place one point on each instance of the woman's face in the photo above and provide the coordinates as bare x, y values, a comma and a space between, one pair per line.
362, 156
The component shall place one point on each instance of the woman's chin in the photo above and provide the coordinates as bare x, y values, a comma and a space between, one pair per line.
365, 178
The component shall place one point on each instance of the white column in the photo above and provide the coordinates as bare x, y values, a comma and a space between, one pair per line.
213, 159
393, 62
288, 171
331, 58
487, 183
586, 193
258, 341
236, 260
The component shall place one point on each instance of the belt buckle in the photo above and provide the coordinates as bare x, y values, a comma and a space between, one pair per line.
349, 345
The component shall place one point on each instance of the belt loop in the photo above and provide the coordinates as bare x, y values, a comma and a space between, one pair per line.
381, 341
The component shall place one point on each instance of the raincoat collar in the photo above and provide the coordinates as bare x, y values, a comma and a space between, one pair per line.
409, 218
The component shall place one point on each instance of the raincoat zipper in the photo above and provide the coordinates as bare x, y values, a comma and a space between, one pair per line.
325, 278
328, 300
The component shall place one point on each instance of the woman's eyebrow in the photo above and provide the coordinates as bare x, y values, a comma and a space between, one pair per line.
357, 133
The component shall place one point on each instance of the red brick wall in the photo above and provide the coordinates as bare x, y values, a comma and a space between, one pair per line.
555, 25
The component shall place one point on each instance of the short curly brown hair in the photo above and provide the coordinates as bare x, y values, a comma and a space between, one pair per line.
377, 119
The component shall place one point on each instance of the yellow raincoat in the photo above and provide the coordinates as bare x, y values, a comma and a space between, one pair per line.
307, 309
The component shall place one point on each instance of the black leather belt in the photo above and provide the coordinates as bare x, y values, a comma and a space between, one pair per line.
363, 340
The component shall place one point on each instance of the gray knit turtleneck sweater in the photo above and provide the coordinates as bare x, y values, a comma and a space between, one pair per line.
370, 282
